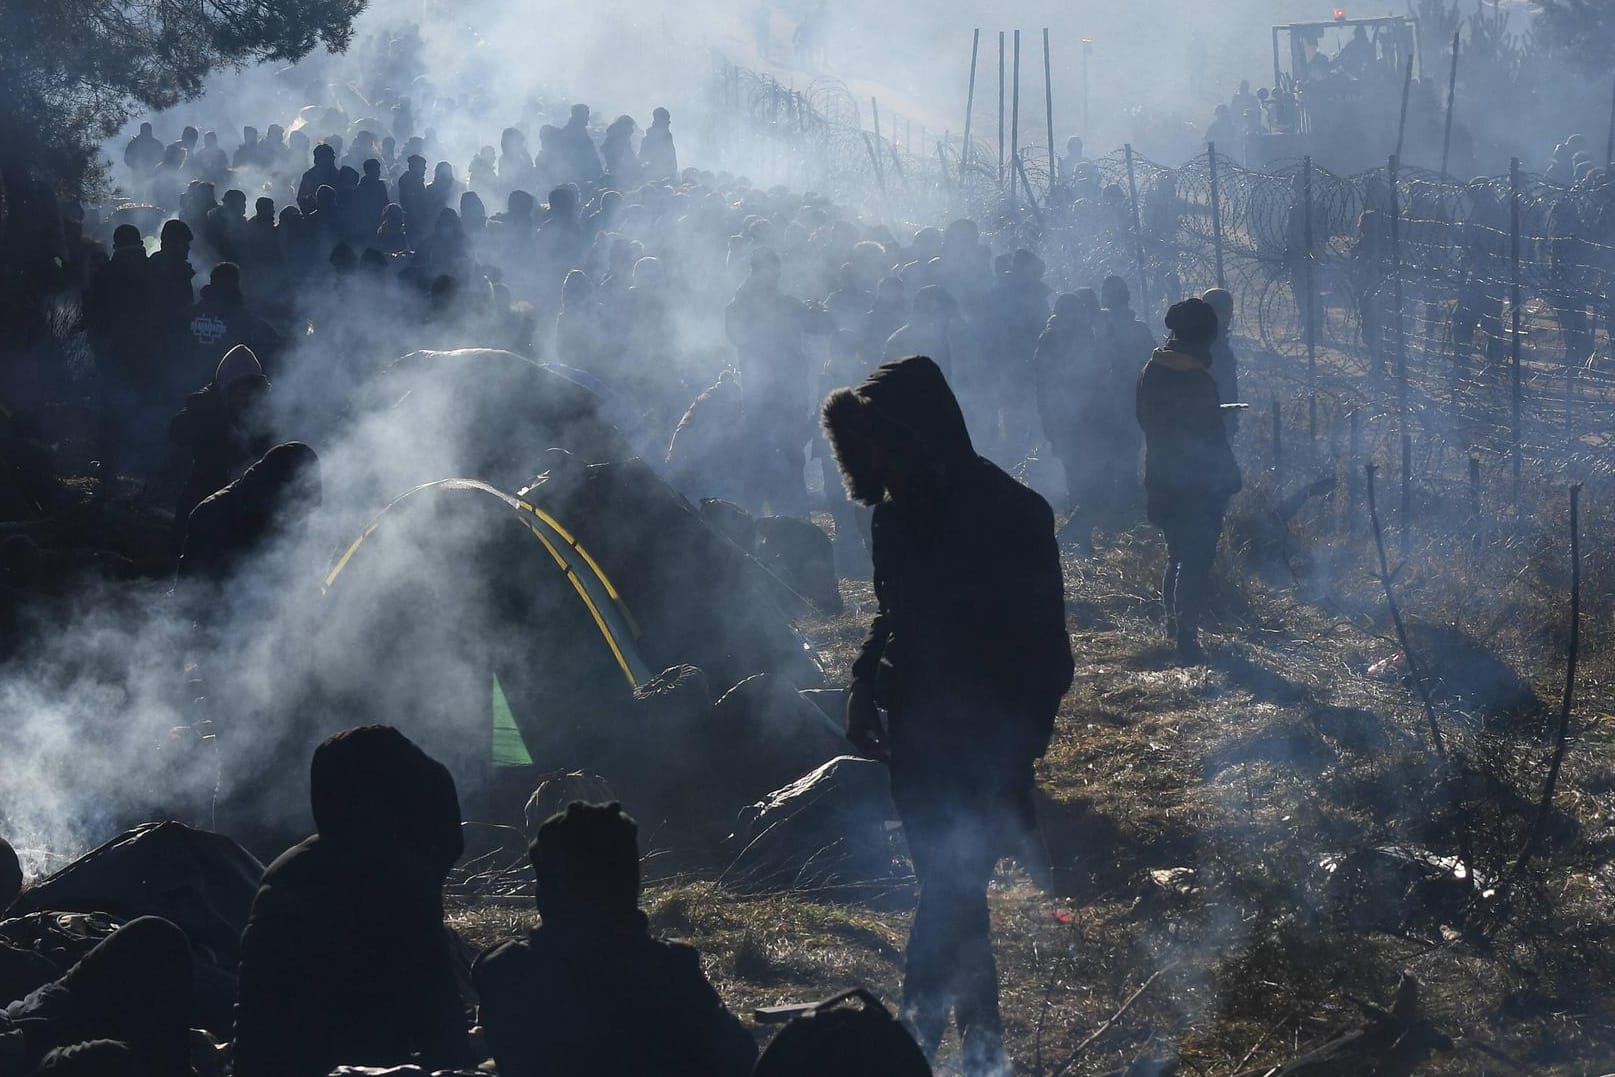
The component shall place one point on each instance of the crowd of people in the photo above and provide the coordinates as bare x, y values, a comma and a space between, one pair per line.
715, 318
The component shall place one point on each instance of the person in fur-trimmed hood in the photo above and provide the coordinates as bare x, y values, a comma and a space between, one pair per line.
969, 657
1189, 470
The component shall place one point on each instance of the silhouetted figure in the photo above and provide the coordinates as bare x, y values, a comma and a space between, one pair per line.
849, 1036
133, 988
220, 428
231, 525
220, 320
370, 200
144, 153
580, 161
211, 163
250, 154
765, 326
591, 993
658, 158
617, 152
928, 329
412, 195
345, 959
323, 173
118, 318
1063, 368
1124, 344
969, 657
1189, 470
515, 163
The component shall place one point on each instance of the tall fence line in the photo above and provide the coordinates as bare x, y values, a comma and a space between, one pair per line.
1448, 319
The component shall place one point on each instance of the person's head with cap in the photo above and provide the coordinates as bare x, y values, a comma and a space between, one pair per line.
126, 237
586, 865
1193, 325
1221, 300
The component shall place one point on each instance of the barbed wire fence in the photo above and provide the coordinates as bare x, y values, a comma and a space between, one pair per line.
1452, 327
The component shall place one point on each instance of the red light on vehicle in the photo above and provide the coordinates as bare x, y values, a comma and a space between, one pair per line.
1340, 14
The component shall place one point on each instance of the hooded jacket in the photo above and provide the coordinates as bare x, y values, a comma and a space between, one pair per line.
967, 569
345, 959
1186, 453
607, 1001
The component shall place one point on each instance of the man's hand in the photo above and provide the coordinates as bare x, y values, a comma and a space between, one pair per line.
863, 724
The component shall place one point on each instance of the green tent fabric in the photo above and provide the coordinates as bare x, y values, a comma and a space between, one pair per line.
509, 750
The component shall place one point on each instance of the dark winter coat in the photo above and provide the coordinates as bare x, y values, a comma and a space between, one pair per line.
217, 447
229, 525
657, 157
967, 573
118, 316
1186, 454
1062, 371
345, 959
572, 1002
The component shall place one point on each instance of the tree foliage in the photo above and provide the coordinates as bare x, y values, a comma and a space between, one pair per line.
74, 71
1579, 29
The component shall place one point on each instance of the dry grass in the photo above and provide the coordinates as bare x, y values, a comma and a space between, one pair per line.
1195, 814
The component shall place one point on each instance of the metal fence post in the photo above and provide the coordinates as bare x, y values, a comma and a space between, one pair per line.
1400, 341
970, 104
1514, 314
1138, 232
1309, 286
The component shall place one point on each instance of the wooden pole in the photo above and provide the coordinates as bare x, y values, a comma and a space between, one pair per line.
970, 103
874, 159
1001, 74
1278, 444
1048, 106
1216, 213
1309, 286
1407, 91
1562, 740
1015, 120
1399, 339
1452, 96
1138, 233
1609, 152
1514, 314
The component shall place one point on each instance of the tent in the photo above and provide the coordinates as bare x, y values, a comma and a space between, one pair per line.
460, 607
498, 629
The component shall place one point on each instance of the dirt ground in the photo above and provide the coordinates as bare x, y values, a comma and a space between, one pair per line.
1249, 854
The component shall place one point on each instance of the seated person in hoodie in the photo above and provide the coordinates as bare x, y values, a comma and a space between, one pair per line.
345, 959
134, 987
220, 427
590, 993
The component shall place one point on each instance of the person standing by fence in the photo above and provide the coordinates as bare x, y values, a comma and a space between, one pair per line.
1189, 470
